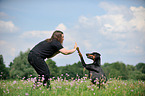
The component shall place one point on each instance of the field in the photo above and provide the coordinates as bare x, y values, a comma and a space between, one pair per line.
77, 87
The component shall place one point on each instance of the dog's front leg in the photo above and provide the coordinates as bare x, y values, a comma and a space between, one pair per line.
81, 57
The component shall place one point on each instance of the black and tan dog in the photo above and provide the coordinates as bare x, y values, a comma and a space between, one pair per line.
96, 73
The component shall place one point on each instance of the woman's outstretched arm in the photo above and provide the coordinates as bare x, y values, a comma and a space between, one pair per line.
67, 52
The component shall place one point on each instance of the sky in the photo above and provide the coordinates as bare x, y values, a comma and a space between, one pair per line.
113, 28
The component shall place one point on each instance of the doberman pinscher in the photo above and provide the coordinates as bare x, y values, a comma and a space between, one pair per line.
96, 73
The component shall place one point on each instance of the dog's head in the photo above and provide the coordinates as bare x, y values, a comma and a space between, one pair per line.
94, 56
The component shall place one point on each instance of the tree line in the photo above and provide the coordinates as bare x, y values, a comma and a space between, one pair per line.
20, 68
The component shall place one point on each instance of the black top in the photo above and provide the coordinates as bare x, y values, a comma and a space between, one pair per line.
47, 49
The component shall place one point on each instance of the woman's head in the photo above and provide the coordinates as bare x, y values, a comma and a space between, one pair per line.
58, 35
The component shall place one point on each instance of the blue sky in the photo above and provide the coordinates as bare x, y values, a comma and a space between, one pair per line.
116, 29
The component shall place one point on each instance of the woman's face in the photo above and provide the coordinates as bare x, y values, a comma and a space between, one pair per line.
62, 38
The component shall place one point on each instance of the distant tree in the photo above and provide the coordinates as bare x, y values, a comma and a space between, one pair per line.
141, 67
10, 64
130, 68
20, 67
4, 73
115, 70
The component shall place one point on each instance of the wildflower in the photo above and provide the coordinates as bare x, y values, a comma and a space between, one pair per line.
81, 81
131, 90
92, 89
26, 94
85, 78
42, 91
115, 88
88, 86
61, 74
94, 93
30, 75
14, 82
23, 78
45, 84
58, 79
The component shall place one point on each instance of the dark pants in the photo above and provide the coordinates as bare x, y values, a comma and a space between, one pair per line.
40, 66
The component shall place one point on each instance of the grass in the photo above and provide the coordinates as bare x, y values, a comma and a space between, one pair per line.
77, 87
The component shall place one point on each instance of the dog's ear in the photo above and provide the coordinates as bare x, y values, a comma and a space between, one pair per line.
96, 54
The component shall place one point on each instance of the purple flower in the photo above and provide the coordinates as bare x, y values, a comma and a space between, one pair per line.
131, 90
81, 81
26, 94
14, 82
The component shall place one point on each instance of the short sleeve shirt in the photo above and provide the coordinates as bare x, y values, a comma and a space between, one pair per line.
47, 49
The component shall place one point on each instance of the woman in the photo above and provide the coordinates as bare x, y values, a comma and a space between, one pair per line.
47, 49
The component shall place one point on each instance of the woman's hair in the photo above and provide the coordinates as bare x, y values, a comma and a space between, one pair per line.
57, 35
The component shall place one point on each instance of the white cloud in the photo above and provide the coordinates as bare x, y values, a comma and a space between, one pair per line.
61, 27
2, 42
7, 50
139, 18
119, 33
42, 34
3, 15
7, 27
36, 34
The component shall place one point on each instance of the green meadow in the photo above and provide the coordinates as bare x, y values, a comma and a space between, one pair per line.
75, 87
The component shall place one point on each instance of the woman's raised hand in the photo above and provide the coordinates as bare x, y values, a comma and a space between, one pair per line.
75, 45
